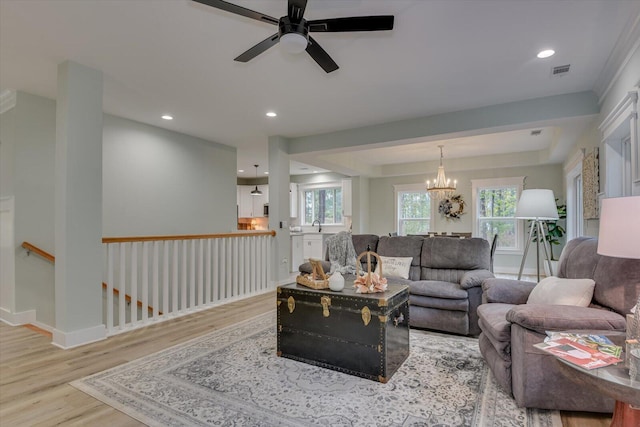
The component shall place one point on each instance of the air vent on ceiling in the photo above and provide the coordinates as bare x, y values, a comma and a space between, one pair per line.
536, 132
560, 70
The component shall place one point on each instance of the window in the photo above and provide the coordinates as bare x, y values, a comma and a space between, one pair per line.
413, 209
494, 208
323, 204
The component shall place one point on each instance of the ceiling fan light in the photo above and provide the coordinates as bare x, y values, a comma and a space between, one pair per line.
293, 42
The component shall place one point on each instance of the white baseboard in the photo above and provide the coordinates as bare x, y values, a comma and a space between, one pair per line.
16, 319
67, 340
515, 270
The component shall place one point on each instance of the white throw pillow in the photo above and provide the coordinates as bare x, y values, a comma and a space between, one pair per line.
554, 290
395, 266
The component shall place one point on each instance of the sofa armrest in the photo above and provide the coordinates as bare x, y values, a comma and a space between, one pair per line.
506, 291
473, 278
543, 317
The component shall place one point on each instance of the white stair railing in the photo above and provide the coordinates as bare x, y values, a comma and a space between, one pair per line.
170, 276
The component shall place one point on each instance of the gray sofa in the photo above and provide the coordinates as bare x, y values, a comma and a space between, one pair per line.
510, 327
445, 277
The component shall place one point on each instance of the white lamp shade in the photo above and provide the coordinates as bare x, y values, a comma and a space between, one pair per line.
537, 204
619, 234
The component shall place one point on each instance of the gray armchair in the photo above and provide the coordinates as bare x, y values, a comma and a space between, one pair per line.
510, 327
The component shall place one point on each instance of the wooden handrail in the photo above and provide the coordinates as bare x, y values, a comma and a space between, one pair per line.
46, 255
31, 248
186, 237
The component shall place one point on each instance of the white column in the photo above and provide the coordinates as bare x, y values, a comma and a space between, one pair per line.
279, 207
78, 206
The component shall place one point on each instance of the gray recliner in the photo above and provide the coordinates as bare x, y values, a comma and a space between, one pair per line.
510, 327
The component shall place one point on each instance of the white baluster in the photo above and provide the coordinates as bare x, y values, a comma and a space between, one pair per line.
223, 264
134, 283
165, 277
246, 261
207, 273
122, 286
216, 270
241, 282
174, 275
192, 275
183, 281
228, 283
145, 282
110, 286
234, 271
200, 264
155, 282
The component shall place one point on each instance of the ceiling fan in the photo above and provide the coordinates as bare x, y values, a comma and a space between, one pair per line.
293, 30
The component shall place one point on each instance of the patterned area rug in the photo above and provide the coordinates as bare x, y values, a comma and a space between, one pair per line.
233, 377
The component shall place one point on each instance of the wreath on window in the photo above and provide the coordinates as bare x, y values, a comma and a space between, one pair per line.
452, 208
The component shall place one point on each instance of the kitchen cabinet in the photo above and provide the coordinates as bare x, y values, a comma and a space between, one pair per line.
297, 256
346, 197
293, 200
312, 246
252, 206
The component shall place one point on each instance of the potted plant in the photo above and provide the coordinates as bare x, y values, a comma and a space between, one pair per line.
555, 232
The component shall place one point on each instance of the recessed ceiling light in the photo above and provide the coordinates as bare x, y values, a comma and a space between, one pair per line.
167, 117
315, 171
240, 170
266, 173
271, 114
546, 53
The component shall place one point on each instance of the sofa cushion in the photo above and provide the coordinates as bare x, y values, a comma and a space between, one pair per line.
617, 279
439, 303
403, 246
438, 289
559, 291
458, 254
394, 266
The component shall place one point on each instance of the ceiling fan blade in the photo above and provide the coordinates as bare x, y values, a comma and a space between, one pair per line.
239, 10
259, 48
296, 10
354, 23
320, 56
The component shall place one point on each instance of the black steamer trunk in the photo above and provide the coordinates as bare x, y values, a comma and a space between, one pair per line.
360, 334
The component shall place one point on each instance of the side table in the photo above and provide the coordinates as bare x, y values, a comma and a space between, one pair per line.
612, 380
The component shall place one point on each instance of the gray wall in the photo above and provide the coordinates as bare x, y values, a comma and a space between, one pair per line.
28, 136
155, 182
159, 182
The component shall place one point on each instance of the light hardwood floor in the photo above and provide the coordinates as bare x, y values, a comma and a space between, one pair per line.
34, 374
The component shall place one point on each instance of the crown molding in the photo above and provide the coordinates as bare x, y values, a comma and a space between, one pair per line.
625, 47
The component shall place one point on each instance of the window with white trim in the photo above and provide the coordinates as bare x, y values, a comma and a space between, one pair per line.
322, 203
494, 208
414, 210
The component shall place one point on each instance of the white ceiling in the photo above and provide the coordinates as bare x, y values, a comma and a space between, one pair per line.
176, 56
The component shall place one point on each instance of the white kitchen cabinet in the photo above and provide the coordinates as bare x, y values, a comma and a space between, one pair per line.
297, 256
293, 200
252, 206
312, 246
346, 197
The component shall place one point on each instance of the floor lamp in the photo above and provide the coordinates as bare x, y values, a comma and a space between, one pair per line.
539, 206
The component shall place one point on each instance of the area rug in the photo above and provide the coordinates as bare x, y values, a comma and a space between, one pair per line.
233, 377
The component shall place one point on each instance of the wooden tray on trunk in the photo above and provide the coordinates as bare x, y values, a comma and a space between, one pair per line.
317, 279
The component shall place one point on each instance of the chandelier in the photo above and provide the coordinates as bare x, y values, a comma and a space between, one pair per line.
441, 187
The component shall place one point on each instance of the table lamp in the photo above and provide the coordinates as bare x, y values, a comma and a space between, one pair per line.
539, 206
619, 237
